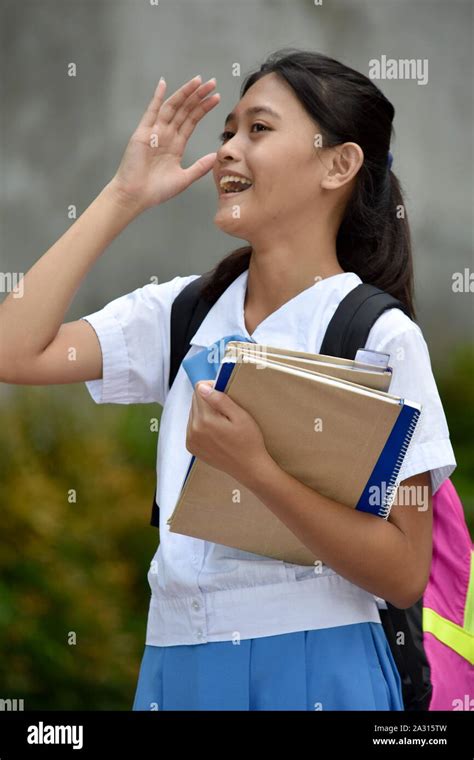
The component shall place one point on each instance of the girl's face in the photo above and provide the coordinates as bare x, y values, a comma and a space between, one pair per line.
276, 151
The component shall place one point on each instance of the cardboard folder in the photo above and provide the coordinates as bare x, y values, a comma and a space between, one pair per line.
342, 439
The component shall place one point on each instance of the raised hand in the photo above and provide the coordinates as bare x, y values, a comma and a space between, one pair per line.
150, 171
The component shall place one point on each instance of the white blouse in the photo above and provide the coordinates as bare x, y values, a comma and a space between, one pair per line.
201, 591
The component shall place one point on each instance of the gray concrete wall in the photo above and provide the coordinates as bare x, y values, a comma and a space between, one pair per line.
62, 137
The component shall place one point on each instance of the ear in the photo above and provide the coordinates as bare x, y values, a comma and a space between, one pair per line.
344, 162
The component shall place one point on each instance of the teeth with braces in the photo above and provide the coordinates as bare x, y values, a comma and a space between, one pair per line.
232, 178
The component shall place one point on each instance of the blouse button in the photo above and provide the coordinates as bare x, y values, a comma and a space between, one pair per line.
196, 604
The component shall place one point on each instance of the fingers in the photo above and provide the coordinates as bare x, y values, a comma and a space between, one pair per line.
192, 101
194, 117
199, 408
183, 110
170, 107
200, 168
151, 113
193, 407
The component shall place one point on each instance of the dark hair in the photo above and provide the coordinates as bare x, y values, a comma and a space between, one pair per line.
373, 240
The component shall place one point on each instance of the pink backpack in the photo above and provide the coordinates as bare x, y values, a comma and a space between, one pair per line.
448, 605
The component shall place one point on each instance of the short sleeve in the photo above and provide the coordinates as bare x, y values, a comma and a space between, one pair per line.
430, 449
134, 335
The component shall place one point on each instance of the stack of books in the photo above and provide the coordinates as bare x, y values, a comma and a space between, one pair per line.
329, 422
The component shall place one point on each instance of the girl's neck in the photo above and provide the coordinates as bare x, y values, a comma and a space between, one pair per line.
274, 279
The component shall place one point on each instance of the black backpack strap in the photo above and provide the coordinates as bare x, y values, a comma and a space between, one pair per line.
351, 323
187, 312
409, 653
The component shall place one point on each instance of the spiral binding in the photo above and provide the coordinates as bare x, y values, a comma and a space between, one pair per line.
393, 482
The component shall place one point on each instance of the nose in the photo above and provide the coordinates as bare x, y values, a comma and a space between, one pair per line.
223, 158
229, 150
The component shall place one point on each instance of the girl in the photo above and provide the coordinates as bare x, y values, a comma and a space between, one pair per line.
308, 147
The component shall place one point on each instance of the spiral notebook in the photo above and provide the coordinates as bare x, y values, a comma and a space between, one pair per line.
344, 440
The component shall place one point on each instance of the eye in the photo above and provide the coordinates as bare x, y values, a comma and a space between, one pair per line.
257, 124
226, 135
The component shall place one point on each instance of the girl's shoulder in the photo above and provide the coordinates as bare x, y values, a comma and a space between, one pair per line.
402, 339
134, 336
395, 334
394, 326
169, 289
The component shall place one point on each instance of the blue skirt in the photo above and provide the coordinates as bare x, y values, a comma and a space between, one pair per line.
347, 667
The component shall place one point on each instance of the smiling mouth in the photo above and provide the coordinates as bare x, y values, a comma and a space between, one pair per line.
232, 193
232, 185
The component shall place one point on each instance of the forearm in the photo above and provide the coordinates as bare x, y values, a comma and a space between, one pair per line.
367, 550
31, 317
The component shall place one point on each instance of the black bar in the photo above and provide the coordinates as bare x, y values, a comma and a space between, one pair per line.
446, 734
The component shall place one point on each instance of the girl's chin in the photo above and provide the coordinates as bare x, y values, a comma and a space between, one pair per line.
228, 223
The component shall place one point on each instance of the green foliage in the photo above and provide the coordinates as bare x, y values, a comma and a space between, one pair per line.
81, 566
74, 567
